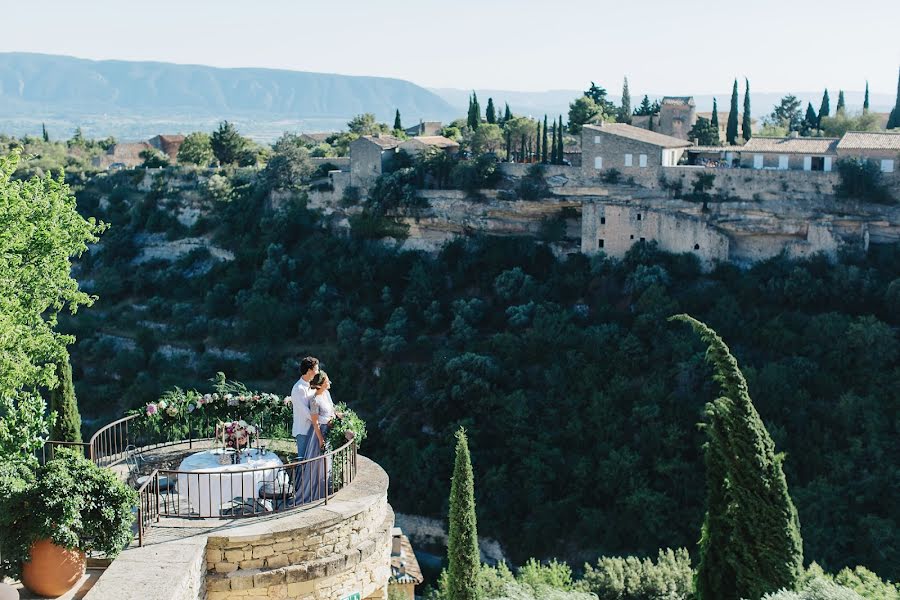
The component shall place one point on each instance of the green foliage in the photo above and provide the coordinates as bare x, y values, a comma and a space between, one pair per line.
365, 124
746, 124
154, 159
841, 104
751, 532
714, 121
533, 186
196, 149
861, 179
598, 95
487, 138
866, 99
347, 427
70, 501
41, 232
582, 111
544, 142
67, 427
842, 122
787, 113
490, 113
290, 166
397, 124
704, 133
228, 146
894, 117
624, 115
462, 545
731, 128
811, 121
818, 589
632, 578
825, 107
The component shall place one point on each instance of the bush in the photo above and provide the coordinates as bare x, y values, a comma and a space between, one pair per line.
634, 578
611, 176
818, 589
533, 186
861, 179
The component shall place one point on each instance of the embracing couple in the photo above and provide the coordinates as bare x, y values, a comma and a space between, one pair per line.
313, 409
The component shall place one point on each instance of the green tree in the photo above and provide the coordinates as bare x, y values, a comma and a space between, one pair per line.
487, 138
462, 545
537, 141
787, 113
42, 232
62, 402
841, 104
153, 159
746, 125
46, 136
490, 113
866, 99
824, 108
398, 126
227, 144
554, 149
894, 118
714, 121
544, 142
559, 143
751, 534
625, 109
507, 114
704, 133
365, 124
195, 149
811, 121
599, 95
474, 117
290, 166
583, 110
644, 109
650, 123
731, 129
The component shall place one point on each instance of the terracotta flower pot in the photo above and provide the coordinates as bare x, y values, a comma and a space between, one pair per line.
52, 570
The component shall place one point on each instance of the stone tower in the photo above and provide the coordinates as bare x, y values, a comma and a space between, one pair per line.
677, 114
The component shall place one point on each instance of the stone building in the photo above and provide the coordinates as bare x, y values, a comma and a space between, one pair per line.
677, 114
426, 128
315, 138
123, 154
723, 122
880, 146
168, 145
793, 153
370, 156
614, 228
620, 146
405, 571
418, 144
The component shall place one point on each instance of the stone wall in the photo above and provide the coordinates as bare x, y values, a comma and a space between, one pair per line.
341, 162
321, 554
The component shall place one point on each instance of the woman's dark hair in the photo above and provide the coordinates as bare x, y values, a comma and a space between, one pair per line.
318, 379
308, 364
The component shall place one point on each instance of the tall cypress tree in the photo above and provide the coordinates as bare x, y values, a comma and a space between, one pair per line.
714, 121
731, 130
544, 143
625, 111
507, 114
508, 146
894, 118
476, 112
522, 149
746, 125
463, 558
397, 124
44, 133
750, 543
824, 108
866, 99
560, 148
490, 113
812, 119
537, 142
841, 105
553, 147
62, 401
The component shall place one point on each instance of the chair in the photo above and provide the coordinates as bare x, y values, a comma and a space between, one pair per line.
278, 491
135, 462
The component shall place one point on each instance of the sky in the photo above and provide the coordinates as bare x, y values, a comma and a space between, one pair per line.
664, 47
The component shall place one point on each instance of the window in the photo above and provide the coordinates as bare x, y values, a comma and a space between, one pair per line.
628, 160
639, 217
596, 139
632, 236
758, 161
887, 166
642, 160
643, 239
598, 162
603, 220
696, 246
600, 243
782, 162
827, 165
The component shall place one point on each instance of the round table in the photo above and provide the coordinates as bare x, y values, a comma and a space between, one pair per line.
211, 487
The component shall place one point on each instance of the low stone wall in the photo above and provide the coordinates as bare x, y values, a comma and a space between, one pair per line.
554, 175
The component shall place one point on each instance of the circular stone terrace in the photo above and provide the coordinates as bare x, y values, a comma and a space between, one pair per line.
329, 548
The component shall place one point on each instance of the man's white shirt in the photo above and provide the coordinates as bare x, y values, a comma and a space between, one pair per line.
300, 396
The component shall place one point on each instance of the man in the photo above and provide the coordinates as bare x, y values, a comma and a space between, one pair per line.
300, 396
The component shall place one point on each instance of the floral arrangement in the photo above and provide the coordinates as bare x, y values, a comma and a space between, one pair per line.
351, 427
235, 434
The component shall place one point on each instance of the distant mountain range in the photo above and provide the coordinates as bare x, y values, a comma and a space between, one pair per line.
137, 100
124, 98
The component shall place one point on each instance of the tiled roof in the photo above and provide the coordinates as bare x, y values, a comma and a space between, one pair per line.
869, 140
791, 145
318, 137
688, 100
405, 567
715, 148
128, 149
438, 141
385, 141
639, 134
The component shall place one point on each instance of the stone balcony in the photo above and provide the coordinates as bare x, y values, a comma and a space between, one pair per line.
320, 552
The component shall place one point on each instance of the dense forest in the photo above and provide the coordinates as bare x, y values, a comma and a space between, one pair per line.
581, 401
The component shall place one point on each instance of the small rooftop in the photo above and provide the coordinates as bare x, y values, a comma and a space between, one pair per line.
318, 136
791, 145
682, 100
385, 141
869, 140
639, 134
404, 566
438, 141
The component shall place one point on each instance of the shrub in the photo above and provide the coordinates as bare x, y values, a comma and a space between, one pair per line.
634, 578
818, 589
533, 186
861, 179
611, 176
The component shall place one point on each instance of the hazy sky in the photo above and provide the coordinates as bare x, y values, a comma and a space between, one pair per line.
666, 47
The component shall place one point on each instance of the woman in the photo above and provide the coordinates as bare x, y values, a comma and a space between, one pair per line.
316, 474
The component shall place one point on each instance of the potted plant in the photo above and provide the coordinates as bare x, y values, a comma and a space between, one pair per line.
50, 518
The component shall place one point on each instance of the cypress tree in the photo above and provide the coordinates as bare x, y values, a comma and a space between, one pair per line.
490, 113
476, 112
811, 120
508, 146
553, 147
397, 124
537, 142
714, 121
650, 123
644, 109
625, 111
841, 105
824, 108
750, 543
522, 149
44, 133
866, 99
507, 114
731, 130
469, 116
544, 143
745, 121
560, 155
894, 118
462, 545
62, 401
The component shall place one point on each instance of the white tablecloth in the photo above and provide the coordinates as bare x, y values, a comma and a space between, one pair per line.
210, 484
